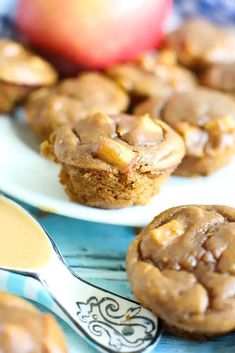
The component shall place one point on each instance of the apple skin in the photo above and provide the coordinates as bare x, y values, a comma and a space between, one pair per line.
93, 33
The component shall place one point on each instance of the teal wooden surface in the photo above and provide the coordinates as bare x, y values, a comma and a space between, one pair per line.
96, 252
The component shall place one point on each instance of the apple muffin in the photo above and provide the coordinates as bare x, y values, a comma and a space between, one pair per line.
199, 43
220, 77
152, 75
26, 330
206, 121
21, 72
113, 161
181, 266
73, 99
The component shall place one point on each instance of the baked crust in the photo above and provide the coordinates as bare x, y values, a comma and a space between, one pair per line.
221, 77
24, 329
199, 43
181, 266
73, 99
21, 72
152, 75
206, 121
113, 161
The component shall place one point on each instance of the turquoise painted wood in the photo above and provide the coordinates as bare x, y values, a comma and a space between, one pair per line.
96, 252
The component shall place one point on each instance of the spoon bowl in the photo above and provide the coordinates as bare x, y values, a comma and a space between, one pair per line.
106, 320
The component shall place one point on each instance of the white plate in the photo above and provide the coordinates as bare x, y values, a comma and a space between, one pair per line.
25, 175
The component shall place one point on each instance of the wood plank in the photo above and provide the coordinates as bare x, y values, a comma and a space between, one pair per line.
96, 252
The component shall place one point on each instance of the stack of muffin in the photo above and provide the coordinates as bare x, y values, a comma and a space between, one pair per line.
120, 134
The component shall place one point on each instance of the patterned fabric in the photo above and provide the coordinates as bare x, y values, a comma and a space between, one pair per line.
7, 7
220, 11
25, 287
7, 27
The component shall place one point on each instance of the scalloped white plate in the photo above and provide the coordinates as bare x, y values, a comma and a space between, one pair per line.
25, 175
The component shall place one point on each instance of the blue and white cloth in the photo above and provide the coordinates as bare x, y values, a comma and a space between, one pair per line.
219, 11
26, 287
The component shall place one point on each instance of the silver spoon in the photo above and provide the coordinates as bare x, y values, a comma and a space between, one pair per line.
108, 321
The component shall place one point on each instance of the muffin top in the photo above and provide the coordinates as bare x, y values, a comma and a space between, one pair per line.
204, 118
150, 76
221, 76
19, 66
74, 99
121, 142
182, 266
96, 91
198, 42
24, 329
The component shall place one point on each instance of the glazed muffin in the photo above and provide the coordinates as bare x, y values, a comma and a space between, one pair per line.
73, 99
181, 266
153, 106
199, 43
221, 77
113, 161
21, 72
152, 75
25, 330
206, 121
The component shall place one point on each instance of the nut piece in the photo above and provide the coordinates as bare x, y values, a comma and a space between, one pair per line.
115, 154
225, 124
167, 233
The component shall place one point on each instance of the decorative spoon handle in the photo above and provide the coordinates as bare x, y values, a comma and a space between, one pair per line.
110, 322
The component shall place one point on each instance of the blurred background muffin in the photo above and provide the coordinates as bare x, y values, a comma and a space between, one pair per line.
24, 329
205, 119
21, 72
73, 99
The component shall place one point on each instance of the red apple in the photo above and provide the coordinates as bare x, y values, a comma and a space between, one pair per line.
93, 33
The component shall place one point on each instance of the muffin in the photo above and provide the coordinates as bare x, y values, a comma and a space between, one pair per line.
206, 121
153, 106
73, 99
25, 330
199, 43
221, 77
113, 161
21, 72
152, 75
181, 266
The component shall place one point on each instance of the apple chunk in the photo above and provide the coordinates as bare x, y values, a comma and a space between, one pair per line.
144, 132
167, 233
115, 153
224, 124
